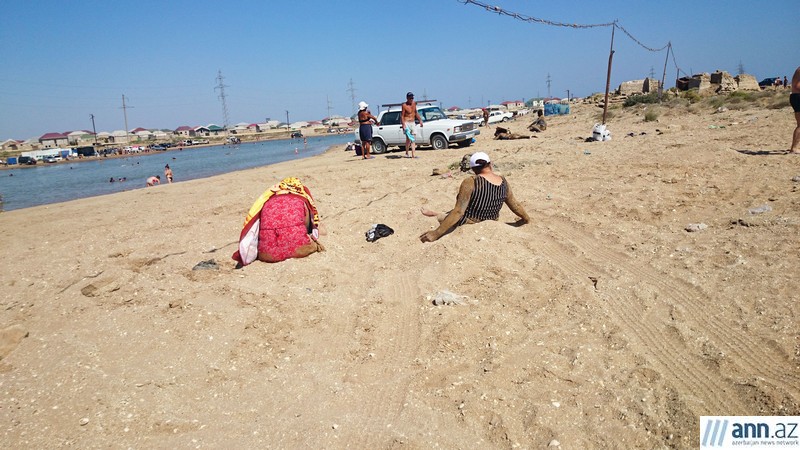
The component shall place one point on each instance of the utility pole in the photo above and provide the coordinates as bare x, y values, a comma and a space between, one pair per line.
288, 128
94, 130
329, 107
221, 88
125, 113
608, 75
567, 95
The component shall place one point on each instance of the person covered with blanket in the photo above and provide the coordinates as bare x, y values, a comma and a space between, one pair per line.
283, 223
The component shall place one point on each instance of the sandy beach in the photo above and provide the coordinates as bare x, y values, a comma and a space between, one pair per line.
602, 324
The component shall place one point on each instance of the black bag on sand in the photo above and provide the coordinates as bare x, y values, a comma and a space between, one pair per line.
378, 231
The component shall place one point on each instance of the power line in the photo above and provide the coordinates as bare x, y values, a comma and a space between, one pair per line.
502, 12
524, 18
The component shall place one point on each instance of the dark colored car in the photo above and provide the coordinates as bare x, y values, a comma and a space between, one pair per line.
297, 135
767, 82
28, 160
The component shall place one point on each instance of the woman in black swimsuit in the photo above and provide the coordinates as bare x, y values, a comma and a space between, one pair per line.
365, 120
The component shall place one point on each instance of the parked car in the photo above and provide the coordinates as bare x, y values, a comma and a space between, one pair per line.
296, 135
51, 159
27, 160
767, 82
438, 130
158, 147
500, 116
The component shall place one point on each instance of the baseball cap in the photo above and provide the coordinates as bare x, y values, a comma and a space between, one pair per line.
409, 94
362, 105
479, 159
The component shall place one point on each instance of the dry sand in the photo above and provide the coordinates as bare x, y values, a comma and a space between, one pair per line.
109, 339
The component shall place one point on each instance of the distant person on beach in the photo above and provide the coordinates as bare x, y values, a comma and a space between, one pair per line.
539, 124
365, 121
485, 117
785, 81
152, 181
283, 223
504, 134
168, 173
479, 198
408, 115
794, 100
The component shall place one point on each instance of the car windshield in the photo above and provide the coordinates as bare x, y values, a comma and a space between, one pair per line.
429, 114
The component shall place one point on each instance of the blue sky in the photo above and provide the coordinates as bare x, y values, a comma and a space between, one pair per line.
62, 61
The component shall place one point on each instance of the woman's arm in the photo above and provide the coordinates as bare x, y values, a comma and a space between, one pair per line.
516, 207
462, 200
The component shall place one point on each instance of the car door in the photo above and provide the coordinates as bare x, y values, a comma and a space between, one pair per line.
424, 131
389, 129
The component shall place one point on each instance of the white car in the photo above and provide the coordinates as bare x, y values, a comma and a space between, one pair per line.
500, 116
437, 130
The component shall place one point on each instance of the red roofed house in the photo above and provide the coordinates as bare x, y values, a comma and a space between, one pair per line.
513, 104
185, 131
54, 140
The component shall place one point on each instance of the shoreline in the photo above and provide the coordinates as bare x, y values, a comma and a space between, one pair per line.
170, 149
319, 151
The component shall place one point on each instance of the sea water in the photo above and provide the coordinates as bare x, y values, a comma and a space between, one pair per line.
53, 183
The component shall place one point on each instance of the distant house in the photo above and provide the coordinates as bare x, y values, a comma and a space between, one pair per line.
11, 145
138, 130
513, 104
160, 135
454, 108
104, 137
120, 137
144, 135
31, 144
80, 137
54, 140
185, 131
210, 130
240, 128
254, 128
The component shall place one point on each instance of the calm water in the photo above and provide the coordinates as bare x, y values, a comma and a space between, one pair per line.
53, 183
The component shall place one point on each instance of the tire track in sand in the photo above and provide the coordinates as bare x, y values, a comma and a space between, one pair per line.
669, 355
396, 345
754, 357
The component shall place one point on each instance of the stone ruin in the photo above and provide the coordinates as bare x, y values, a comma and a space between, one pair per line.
719, 82
636, 87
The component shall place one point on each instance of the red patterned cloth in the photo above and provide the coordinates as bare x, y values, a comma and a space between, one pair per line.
283, 226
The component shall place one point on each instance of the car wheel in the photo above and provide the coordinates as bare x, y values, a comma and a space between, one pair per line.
505, 119
378, 147
438, 142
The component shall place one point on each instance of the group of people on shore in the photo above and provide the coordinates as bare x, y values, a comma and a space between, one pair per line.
284, 223
409, 116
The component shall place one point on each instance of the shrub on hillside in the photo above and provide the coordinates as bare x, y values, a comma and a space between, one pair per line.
651, 115
641, 98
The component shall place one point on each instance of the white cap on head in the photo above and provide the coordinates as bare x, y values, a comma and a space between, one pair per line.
476, 157
362, 105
